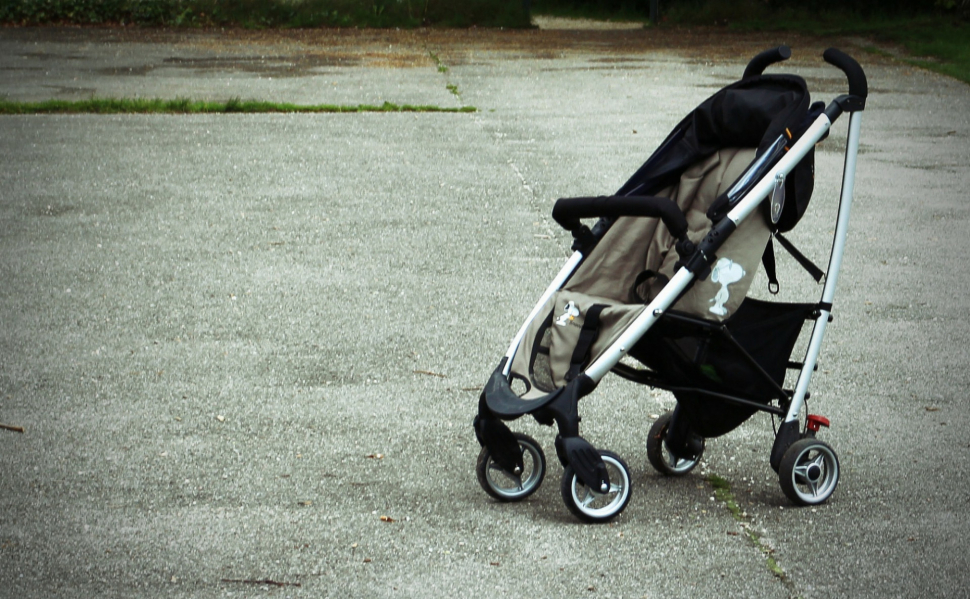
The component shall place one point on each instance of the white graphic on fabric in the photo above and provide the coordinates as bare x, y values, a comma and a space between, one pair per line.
725, 272
569, 314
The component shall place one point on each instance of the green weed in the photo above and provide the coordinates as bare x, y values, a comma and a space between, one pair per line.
442, 67
722, 493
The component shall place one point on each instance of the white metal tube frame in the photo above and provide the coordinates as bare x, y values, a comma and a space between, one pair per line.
835, 265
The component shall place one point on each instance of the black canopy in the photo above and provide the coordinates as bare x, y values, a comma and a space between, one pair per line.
752, 113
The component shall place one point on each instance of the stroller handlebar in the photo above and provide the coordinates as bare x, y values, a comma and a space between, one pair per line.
767, 58
858, 85
568, 211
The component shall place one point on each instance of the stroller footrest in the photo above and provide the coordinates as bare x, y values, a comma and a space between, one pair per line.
501, 401
585, 460
504, 403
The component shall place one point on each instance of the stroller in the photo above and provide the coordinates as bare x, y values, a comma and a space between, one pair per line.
661, 279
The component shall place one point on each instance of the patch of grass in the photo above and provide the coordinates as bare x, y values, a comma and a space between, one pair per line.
940, 47
722, 493
935, 40
935, 37
186, 106
932, 42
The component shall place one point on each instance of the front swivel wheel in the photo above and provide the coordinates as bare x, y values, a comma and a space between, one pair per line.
591, 505
513, 486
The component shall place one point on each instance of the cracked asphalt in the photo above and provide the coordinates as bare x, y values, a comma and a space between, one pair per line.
245, 350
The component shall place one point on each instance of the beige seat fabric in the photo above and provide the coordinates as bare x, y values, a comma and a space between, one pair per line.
633, 245
612, 268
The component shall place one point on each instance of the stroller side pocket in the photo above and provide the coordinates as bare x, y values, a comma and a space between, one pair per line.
540, 361
567, 335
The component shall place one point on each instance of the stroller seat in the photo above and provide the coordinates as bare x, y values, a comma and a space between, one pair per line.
629, 266
634, 260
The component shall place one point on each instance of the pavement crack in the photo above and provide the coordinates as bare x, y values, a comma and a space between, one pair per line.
522, 180
723, 494
444, 69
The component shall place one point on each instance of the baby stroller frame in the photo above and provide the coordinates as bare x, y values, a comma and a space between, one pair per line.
596, 483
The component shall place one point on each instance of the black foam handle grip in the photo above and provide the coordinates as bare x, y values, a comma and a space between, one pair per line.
858, 85
568, 211
767, 58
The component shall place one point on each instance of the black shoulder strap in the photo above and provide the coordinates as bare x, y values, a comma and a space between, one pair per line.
587, 336
768, 260
643, 277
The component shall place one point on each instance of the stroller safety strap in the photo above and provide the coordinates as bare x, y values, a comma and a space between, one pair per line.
587, 335
768, 261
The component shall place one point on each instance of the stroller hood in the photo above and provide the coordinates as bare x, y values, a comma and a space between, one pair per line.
751, 113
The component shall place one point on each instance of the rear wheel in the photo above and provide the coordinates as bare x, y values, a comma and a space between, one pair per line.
660, 457
809, 472
592, 506
509, 486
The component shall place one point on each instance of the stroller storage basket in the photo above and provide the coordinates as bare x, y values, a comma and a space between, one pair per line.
723, 373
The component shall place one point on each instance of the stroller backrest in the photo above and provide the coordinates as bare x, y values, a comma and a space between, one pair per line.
696, 166
634, 260
751, 113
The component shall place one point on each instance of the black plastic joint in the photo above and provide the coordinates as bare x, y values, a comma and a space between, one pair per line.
787, 434
585, 460
716, 237
699, 264
584, 239
846, 103
706, 253
685, 249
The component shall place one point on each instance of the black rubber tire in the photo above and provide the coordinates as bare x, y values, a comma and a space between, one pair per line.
809, 472
660, 457
618, 495
535, 471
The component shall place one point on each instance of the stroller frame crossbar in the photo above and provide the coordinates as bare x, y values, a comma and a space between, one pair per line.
648, 378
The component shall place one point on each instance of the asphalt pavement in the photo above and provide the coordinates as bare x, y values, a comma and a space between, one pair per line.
245, 351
